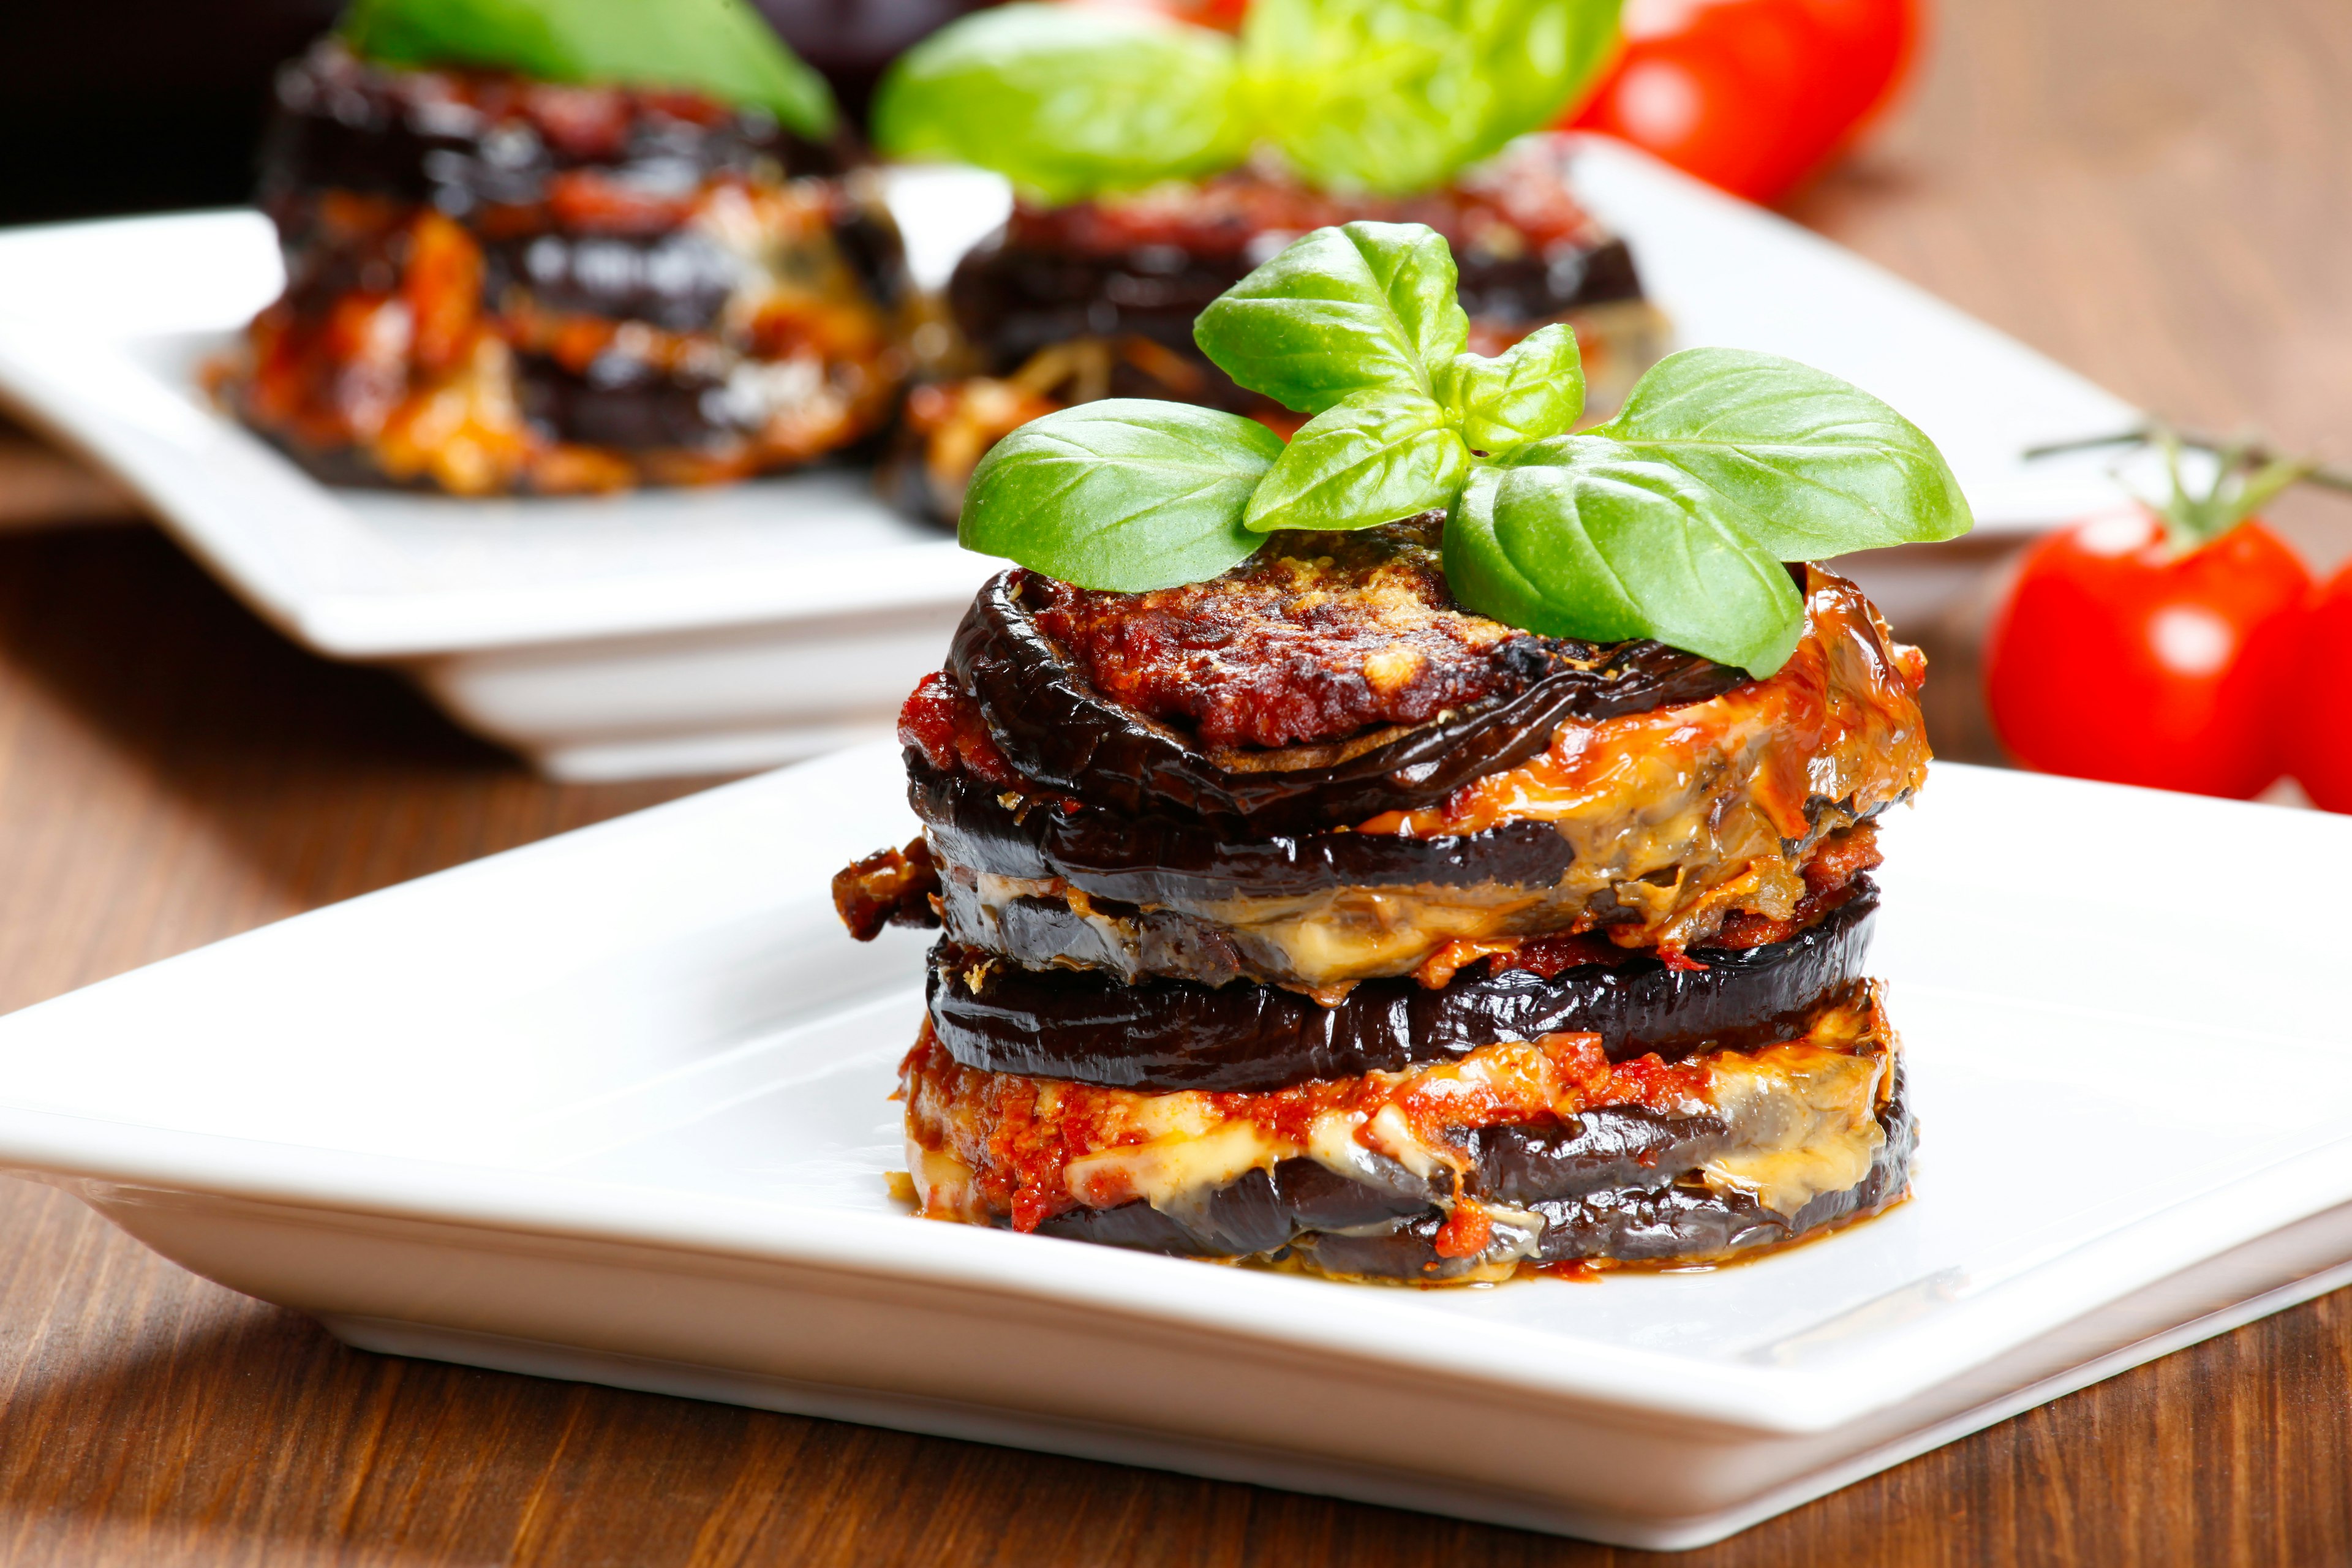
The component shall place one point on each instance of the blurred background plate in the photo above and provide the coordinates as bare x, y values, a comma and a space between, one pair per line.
697, 631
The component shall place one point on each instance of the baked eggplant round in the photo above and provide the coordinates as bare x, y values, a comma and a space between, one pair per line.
1062, 736
1087, 1026
1614, 1185
1016, 294
1683, 1223
1154, 861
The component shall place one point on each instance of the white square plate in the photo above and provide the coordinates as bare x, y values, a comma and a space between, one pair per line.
668, 631
612, 1107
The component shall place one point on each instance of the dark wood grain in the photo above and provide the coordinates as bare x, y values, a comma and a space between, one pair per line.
2160, 196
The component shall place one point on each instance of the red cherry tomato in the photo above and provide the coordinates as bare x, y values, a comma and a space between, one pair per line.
2115, 657
2319, 717
1225, 16
1751, 95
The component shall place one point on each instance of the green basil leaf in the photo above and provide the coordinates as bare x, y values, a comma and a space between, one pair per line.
1066, 101
1606, 544
1534, 390
1817, 467
719, 47
1396, 96
1535, 61
1123, 495
1342, 311
1376, 457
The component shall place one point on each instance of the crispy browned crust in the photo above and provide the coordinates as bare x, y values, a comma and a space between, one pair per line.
890, 887
1315, 637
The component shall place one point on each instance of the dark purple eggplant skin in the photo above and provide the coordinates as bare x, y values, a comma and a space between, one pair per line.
1065, 737
1155, 860
1661, 1223
1012, 298
1167, 1035
1257, 1212
1597, 1199
1656, 1223
1620, 1148
1045, 935
344, 123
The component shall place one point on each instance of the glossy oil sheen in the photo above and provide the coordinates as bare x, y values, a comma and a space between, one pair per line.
1175, 1034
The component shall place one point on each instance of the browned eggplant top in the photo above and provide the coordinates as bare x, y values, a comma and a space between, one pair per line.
1519, 202
1137, 269
1561, 740
1316, 636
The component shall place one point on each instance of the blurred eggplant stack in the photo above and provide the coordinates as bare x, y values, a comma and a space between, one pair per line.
558, 247
1156, 161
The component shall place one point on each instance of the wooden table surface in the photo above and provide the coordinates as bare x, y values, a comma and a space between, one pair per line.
2156, 195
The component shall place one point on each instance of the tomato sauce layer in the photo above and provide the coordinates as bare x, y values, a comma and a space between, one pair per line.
1006, 1146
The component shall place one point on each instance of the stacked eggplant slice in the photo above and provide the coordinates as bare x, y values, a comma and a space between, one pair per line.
497, 284
1303, 916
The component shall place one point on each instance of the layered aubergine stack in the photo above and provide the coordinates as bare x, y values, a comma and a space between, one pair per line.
1429, 846
1096, 298
1157, 163
502, 284
1302, 915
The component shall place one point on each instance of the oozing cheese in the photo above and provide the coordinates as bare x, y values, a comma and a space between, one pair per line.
1674, 819
1802, 1117
1806, 1122
1343, 935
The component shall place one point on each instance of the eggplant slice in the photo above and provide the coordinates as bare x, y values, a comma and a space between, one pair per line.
1615, 1185
1013, 298
1166, 1035
1063, 737
1164, 862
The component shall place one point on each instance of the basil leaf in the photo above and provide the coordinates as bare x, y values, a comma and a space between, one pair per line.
1818, 467
1395, 96
1535, 61
1534, 390
1123, 495
1606, 544
1067, 101
718, 47
1342, 311
1374, 459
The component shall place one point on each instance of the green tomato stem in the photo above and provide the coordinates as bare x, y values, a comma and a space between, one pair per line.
2321, 475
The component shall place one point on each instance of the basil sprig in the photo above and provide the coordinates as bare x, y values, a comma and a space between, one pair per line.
1671, 521
1389, 96
718, 47
1067, 101
1380, 95
1127, 494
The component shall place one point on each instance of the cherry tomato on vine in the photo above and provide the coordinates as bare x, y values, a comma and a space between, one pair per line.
2127, 653
2319, 715
1752, 96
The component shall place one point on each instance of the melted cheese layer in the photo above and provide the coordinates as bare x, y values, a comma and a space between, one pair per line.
1803, 1115
1675, 817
